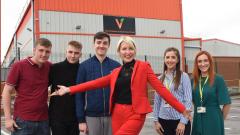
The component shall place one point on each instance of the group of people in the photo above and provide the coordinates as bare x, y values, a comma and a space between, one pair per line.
101, 97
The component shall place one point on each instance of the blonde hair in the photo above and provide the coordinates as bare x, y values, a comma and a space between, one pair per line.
126, 39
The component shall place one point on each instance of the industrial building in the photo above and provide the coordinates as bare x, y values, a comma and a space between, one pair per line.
155, 25
221, 48
226, 57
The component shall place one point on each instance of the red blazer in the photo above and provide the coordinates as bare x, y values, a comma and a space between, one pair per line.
142, 74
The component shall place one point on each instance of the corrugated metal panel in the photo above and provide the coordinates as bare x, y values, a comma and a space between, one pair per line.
25, 39
51, 21
190, 54
218, 48
25, 21
150, 49
158, 9
148, 46
60, 44
192, 47
156, 47
193, 43
162, 28
154, 50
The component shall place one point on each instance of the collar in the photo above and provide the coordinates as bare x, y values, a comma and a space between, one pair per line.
95, 58
30, 61
171, 75
73, 64
129, 64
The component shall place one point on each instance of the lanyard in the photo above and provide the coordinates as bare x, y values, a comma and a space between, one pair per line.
201, 87
168, 85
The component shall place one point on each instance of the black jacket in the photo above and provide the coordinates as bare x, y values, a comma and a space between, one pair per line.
62, 108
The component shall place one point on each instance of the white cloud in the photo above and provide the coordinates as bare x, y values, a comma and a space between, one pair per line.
212, 19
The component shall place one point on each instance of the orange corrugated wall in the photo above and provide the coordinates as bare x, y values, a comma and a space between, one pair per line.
156, 9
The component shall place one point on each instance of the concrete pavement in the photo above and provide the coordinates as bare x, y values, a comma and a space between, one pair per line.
231, 124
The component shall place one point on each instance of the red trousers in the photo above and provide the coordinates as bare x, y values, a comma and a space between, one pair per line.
125, 121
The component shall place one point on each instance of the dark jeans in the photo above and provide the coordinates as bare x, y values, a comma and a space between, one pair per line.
31, 127
64, 128
169, 126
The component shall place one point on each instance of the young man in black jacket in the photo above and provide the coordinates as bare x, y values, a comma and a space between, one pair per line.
62, 116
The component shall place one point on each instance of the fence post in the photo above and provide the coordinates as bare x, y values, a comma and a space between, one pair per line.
145, 57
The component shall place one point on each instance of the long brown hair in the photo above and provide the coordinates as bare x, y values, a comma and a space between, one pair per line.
197, 73
177, 78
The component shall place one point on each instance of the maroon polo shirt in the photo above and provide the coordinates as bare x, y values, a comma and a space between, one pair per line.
31, 84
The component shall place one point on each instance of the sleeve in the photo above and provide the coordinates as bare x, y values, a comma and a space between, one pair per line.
91, 85
14, 75
156, 107
162, 91
222, 91
80, 97
187, 99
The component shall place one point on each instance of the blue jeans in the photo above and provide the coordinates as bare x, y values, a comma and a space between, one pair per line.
31, 127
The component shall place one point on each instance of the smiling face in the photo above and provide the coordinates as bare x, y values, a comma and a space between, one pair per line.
127, 52
101, 46
171, 60
203, 64
41, 54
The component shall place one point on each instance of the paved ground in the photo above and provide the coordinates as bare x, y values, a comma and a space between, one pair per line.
231, 124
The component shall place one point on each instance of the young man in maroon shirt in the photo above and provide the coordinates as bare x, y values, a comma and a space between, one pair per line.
29, 78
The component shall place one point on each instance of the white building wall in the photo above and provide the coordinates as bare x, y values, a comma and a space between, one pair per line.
148, 48
221, 48
25, 40
153, 27
192, 47
53, 21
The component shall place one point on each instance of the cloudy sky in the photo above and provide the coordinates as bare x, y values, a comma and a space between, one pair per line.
201, 18
212, 19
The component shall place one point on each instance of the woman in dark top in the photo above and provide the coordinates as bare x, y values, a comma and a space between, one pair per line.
209, 92
128, 97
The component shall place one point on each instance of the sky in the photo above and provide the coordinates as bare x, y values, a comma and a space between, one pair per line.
201, 19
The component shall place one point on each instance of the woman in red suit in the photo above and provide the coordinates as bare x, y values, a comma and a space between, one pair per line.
129, 102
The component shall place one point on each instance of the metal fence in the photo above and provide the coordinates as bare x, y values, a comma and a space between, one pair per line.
230, 70
4, 72
155, 61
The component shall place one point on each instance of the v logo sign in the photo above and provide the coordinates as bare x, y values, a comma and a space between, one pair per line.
119, 24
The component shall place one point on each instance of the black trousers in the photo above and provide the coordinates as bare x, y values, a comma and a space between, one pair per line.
64, 128
170, 126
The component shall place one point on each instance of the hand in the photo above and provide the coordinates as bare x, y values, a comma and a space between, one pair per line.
158, 128
61, 91
10, 125
83, 128
180, 129
187, 114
